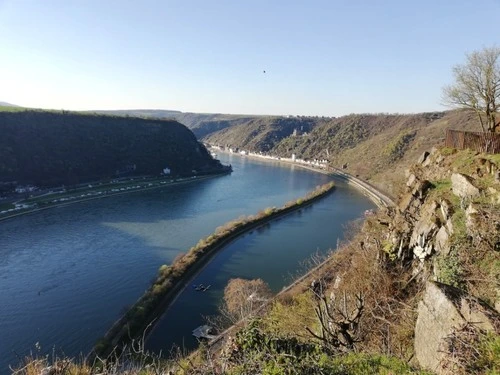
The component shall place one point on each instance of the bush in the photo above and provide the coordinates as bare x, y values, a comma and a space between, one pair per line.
450, 270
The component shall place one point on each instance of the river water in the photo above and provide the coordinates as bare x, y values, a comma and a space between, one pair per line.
66, 274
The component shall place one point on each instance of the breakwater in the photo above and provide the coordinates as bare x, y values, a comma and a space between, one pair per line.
171, 279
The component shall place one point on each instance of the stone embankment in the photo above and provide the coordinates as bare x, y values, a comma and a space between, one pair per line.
379, 198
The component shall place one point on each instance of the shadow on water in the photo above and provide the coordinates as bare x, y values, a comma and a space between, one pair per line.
89, 260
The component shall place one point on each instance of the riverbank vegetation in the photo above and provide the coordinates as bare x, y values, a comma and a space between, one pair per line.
171, 278
279, 361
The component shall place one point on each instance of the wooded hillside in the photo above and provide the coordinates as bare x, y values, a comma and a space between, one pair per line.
52, 148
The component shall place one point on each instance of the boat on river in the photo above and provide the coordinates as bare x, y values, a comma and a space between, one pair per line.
204, 332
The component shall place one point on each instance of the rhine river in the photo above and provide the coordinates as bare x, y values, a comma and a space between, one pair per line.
67, 273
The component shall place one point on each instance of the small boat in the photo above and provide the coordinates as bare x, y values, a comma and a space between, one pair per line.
205, 332
206, 288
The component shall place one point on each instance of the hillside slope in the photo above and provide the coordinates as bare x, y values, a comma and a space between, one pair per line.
51, 148
5, 104
377, 147
262, 134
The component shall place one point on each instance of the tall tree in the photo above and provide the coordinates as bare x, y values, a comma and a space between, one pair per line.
477, 86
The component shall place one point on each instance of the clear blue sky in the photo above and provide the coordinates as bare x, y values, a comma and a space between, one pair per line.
329, 57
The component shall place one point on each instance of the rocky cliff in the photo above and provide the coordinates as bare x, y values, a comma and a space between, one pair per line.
449, 220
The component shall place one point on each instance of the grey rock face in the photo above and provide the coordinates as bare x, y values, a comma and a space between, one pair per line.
423, 157
463, 186
422, 237
443, 240
411, 180
443, 311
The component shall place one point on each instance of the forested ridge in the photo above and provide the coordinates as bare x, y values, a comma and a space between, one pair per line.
49, 148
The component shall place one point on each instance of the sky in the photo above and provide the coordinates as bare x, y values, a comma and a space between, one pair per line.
324, 58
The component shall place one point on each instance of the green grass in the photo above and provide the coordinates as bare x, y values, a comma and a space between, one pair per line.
271, 354
356, 363
442, 189
397, 147
12, 109
495, 159
442, 185
446, 151
489, 358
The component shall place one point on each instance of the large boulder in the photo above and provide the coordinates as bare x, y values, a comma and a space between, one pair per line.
443, 311
463, 186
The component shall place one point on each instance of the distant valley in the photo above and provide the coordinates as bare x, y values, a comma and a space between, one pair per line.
377, 147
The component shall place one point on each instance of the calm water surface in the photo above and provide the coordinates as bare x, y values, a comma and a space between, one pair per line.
274, 252
66, 274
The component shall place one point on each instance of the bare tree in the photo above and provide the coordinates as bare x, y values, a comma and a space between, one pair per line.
477, 86
339, 320
242, 297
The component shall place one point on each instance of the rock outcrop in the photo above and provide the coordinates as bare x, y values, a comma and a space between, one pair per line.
442, 219
463, 186
444, 311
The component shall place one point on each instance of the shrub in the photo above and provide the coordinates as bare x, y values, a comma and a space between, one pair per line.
450, 270
268, 211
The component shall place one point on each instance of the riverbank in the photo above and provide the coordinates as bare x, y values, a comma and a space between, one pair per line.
172, 279
83, 194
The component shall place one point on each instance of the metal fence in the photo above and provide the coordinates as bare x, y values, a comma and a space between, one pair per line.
483, 142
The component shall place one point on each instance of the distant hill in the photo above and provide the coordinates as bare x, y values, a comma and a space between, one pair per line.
376, 147
263, 133
201, 124
51, 147
5, 104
